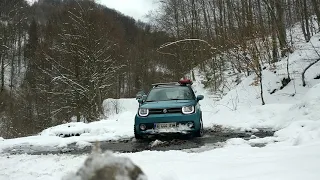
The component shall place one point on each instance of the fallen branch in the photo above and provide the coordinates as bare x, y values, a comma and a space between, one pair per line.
305, 70
179, 41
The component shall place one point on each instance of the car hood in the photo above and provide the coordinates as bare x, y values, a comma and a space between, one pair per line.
167, 104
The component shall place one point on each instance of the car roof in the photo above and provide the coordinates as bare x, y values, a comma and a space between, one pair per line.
170, 84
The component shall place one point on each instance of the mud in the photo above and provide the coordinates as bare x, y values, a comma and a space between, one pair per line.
213, 138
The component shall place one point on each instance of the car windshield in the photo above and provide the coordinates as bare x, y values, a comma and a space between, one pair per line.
170, 93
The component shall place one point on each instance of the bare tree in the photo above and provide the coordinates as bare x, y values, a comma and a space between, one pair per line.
86, 66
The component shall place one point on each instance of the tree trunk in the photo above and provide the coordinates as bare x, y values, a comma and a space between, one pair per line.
305, 21
2, 72
281, 27
261, 85
288, 68
274, 43
12, 73
317, 11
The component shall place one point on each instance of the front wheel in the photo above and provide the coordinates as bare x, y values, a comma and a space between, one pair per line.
200, 132
137, 136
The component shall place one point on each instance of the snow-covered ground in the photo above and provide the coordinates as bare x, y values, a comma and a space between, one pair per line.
292, 154
234, 162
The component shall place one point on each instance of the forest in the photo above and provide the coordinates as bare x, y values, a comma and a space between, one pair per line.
60, 59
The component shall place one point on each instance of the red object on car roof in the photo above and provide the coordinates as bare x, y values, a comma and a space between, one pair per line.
185, 81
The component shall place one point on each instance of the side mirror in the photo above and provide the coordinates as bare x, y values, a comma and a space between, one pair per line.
139, 95
142, 99
200, 97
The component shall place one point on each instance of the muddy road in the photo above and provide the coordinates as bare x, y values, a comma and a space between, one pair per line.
213, 138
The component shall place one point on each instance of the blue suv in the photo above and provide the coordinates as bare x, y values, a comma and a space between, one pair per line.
169, 108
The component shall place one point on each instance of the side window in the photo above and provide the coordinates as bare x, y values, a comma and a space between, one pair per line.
192, 94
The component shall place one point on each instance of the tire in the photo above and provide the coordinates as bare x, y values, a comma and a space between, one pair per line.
137, 136
200, 132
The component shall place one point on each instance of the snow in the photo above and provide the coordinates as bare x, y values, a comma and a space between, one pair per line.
117, 106
233, 162
30, 2
303, 120
117, 126
156, 143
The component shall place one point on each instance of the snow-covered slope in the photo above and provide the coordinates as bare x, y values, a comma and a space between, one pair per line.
241, 107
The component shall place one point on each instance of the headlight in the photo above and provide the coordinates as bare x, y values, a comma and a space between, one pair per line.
143, 112
188, 109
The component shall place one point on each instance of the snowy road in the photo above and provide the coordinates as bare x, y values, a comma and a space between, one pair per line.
212, 139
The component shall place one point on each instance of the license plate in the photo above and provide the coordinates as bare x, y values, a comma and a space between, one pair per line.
165, 125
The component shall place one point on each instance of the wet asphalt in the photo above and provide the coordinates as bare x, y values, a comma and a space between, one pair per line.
213, 138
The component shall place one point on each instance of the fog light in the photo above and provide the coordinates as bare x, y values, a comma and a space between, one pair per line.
190, 124
143, 127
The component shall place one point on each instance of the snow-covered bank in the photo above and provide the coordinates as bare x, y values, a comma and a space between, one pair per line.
303, 119
233, 162
241, 106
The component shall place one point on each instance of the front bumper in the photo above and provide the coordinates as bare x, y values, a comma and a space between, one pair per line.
181, 121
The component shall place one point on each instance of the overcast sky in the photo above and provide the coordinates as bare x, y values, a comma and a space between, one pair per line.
134, 8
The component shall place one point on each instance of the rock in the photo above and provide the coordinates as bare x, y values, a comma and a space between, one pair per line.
107, 166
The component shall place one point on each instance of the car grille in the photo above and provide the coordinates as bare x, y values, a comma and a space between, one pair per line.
168, 111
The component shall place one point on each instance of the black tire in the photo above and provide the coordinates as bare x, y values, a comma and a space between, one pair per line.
137, 136
200, 132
